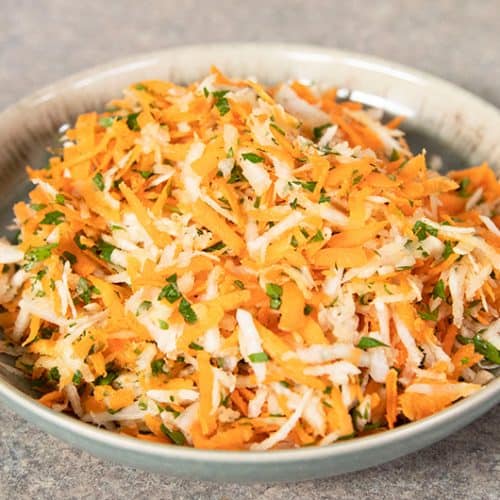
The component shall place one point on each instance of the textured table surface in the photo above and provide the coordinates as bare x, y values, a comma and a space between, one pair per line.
44, 41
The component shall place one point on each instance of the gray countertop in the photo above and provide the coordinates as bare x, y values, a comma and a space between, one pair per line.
44, 41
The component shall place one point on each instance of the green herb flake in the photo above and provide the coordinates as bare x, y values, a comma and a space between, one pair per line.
157, 367
278, 129
462, 190
318, 131
144, 306
308, 308
98, 180
394, 155
132, 122
107, 379
177, 437
487, 349
256, 203
448, 249
145, 174
294, 242
324, 199
195, 346
68, 256
258, 357
216, 246
308, 185
106, 121
53, 218
429, 315
236, 175
142, 405
77, 377
284, 383
252, 157
79, 244
438, 290
187, 311
293, 204
221, 102
53, 374
239, 284
140, 86
421, 230
105, 250
163, 324
60, 199
369, 342
274, 292
37, 206
170, 292
38, 254
318, 236
85, 289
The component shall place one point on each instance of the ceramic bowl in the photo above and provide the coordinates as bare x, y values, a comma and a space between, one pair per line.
435, 109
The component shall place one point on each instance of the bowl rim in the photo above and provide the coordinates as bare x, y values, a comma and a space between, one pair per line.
487, 396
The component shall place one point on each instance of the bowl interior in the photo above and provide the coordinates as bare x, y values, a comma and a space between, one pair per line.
440, 117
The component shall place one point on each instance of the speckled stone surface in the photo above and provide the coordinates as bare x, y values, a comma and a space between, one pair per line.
44, 41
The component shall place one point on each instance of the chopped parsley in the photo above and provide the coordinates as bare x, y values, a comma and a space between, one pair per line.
463, 185
85, 289
369, 342
104, 250
68, 256
278, 129
216, 246
318, 236
177, 437
274, 292
107, 379
163, 324
98, 180
308, 308
144, 306
448, 249
60, 199
187, 311
394, 155
195, 346
157, 366
132, 122
258, 357
487, 349
37, 206
145, 174
294, 242
319, 131
236, 175
429, 315
252, 157
221, 102
106, 121
77, 377
421, 230
171, 291
53, 374
38, 254
438, 290
53, 218
239, 284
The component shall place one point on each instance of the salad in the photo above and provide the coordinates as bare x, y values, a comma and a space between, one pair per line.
228, 266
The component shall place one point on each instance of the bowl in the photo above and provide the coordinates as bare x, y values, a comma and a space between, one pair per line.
438, 113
